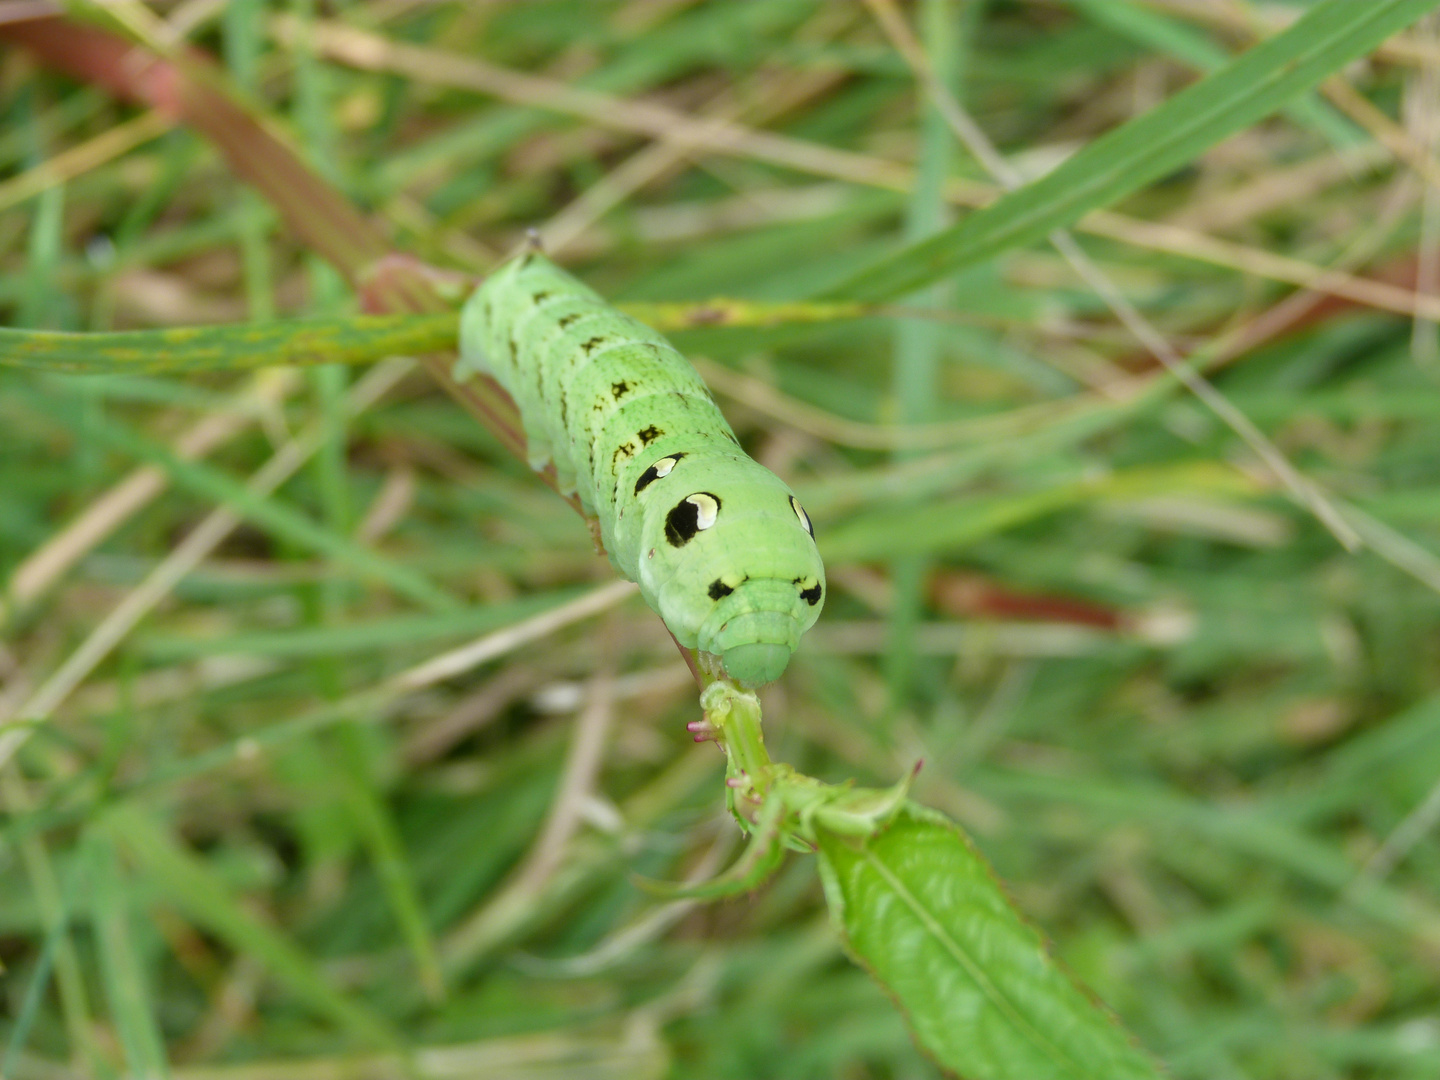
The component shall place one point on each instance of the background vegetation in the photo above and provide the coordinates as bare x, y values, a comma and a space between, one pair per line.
261, 820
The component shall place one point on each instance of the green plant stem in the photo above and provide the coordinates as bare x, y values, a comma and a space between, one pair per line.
734, 714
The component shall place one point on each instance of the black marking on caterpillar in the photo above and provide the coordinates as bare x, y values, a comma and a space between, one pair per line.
540, 297
649, 434
624, 450
656, 471
565, 320
811, 595
590, 345
690, 516
620, 389
719, 589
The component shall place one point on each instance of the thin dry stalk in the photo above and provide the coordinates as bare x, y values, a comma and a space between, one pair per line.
577, 784
456, 662
83, 158
1422, 115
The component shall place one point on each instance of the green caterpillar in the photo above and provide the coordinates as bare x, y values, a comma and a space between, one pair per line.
720, 547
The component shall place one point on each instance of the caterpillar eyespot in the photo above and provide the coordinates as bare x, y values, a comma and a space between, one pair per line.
691, 516
729, 558
657, 471
804, 517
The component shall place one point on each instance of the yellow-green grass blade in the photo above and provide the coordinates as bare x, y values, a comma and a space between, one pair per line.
349, 339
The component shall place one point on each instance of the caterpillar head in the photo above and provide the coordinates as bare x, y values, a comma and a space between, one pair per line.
756, 663
757, 625
768, 592
732, 566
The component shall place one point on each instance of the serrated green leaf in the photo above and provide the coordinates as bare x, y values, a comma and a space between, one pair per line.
920, 909
1122, 161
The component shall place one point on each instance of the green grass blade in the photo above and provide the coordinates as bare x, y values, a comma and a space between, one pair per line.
243, 38
29, 1004
1122, 161
947, 524
934, 528
181, 879
340, 339
57, 957
350, 339
1159, 31
41, 302
921, 910
920, 344
131, 1005
378, 831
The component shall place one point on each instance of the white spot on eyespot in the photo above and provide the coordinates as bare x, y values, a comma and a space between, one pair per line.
707, 510
663, 466
804, 517
650, 554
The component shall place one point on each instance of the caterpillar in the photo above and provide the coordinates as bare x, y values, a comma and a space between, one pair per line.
720, 547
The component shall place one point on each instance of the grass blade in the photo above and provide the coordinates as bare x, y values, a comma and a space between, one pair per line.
1124, 160
181, 879
351, 339
1159, 31
125, 983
